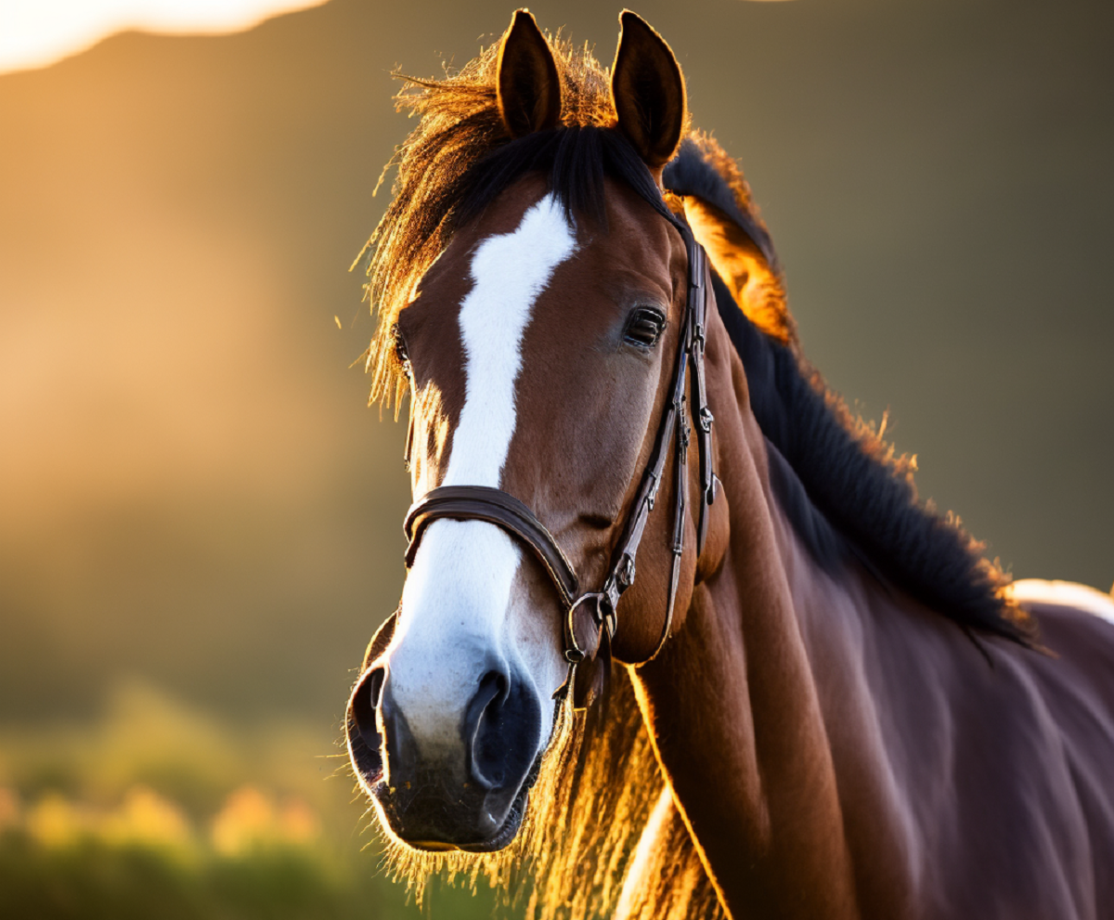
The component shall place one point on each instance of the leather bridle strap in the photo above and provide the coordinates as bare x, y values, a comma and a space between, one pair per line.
495, 506
591, 620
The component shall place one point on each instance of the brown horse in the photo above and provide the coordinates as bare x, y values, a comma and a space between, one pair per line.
826, 704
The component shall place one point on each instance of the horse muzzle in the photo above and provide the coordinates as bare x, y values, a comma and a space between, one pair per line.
463, 789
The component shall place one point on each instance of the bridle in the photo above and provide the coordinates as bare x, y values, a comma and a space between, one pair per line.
591, 617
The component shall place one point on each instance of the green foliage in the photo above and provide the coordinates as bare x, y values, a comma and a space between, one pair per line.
94, 879
161, 811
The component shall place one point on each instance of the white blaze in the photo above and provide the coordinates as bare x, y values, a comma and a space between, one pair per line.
455, 625
509, 272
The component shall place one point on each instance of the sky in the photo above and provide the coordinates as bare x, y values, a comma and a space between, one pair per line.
194, 490
37, 33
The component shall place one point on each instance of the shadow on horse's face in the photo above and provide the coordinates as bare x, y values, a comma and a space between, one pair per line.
537, 353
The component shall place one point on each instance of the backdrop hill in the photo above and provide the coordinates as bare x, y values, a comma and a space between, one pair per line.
193, 490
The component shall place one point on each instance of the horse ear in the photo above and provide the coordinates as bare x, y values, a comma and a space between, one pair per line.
529, 89
648, 91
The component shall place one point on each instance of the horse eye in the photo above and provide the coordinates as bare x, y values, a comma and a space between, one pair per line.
400, 348
644, 327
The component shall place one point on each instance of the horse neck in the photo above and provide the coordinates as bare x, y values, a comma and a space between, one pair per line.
733, 702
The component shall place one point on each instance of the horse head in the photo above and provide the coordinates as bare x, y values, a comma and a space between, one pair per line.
540, 348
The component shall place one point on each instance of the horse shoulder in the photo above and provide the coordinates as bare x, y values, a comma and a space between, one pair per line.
1076, 679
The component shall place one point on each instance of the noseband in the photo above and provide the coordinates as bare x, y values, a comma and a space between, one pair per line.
591, 618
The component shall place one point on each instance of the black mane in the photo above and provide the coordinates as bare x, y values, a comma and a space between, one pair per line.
840, 497
842, 502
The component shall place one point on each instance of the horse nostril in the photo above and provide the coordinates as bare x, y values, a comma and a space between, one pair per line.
363, 731
484, 730
364, 704
374, 686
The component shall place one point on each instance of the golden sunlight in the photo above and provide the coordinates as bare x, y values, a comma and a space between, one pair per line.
37, 33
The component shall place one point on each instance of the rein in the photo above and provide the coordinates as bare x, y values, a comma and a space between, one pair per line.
591, 617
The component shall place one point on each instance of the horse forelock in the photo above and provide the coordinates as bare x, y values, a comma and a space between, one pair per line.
460, 157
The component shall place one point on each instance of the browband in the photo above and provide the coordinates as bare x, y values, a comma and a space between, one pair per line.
590, 618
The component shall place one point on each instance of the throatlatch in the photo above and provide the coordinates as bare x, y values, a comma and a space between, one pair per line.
591, 618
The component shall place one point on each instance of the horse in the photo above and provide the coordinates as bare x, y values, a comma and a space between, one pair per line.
761, 681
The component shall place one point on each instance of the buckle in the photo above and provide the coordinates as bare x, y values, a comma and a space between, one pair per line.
626, 573
698, 335
611, 622
713, 490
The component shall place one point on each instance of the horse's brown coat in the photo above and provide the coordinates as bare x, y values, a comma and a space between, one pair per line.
834, 749
867, 760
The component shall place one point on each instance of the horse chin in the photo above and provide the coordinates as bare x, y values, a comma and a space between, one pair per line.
511, 826
501, 839
498, 841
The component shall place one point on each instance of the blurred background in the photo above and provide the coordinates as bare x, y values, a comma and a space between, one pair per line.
199, 514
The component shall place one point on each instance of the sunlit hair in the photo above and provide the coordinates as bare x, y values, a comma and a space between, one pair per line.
598, 783
459, 125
